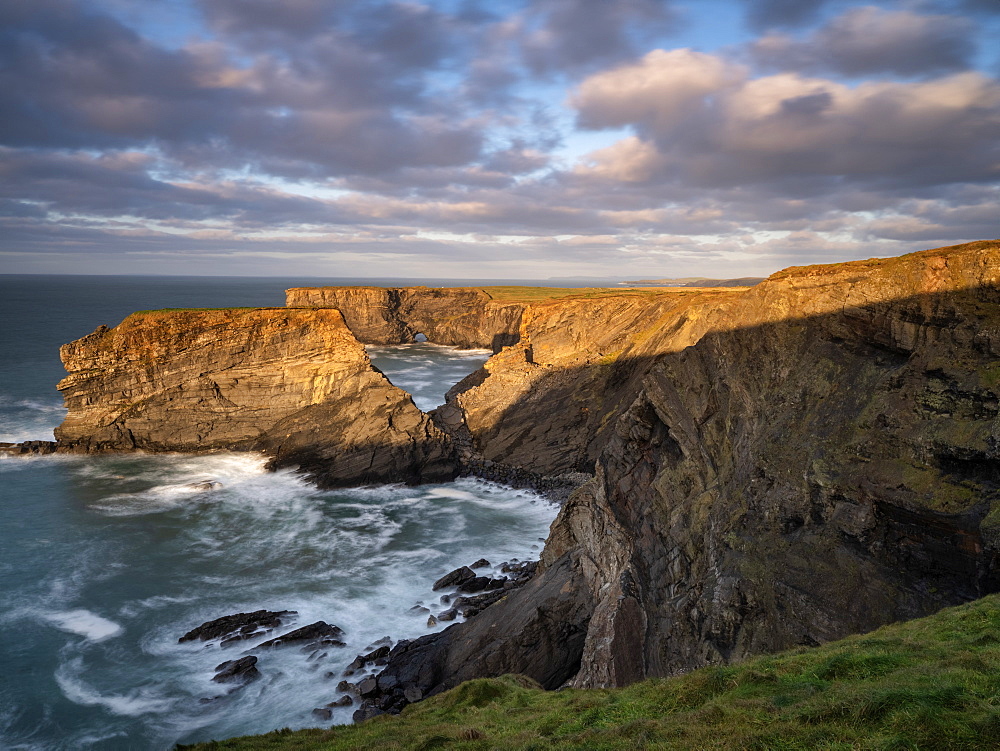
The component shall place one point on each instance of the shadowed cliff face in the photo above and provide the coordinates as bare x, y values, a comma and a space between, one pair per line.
294, 383
786, 479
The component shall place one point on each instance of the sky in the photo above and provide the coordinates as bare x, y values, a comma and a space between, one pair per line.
615, 139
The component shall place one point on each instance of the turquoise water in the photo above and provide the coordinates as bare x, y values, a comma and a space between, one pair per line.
106, 561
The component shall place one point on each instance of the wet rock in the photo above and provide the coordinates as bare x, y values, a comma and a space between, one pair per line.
419, 609
28, 447
323, 713
243, 670
431, 621
387, 682
347, 686
480, 583
385, 641
366, 712
343, 701
519, 568
239, 626
368, 687
481, 563
448, 615
377, 654
454, 578
314, 635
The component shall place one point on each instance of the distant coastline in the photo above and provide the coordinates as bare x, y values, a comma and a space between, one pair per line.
697, 281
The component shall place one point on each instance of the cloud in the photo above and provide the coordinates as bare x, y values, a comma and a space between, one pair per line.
441, 131
578, 35
712, 124
79, 79
769, 14
869, 40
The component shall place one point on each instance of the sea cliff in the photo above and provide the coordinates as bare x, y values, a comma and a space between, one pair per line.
765, 468
815, 457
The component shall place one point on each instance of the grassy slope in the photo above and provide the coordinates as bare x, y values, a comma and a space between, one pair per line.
933, 683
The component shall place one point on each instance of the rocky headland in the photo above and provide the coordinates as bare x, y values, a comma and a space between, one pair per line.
295, 384
761, 468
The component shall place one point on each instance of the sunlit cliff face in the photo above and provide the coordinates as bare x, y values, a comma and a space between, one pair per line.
524, 139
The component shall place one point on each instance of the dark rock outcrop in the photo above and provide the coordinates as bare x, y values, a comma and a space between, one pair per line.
239, 626
539, 634
243, 670
454, 578
318, 634
40, 448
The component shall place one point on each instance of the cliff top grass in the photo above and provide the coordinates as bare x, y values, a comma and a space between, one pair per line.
888, 263
932, 683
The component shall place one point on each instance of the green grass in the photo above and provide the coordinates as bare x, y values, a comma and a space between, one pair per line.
933, 683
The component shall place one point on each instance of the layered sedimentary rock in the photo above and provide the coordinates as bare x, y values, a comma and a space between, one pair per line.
294, 383
462, 317
821, 459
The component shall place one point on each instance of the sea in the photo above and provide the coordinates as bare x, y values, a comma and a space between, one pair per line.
105, 561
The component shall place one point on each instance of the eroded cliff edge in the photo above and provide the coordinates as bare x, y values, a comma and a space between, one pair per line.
295, 384
820, 460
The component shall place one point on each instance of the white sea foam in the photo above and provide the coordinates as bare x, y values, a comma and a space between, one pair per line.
139, 702
85, 623
29, 419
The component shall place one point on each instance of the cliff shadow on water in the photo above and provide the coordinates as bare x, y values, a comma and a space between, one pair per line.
782, 483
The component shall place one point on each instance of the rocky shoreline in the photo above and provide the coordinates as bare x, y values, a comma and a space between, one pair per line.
367, 680
740, 471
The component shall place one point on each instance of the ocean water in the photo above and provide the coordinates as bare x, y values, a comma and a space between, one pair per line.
106, 561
